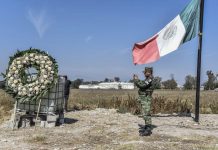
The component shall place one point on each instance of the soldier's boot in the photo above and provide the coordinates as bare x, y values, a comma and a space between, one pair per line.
147, 131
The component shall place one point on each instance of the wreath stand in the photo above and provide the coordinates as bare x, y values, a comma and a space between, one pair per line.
39, 97
38, 114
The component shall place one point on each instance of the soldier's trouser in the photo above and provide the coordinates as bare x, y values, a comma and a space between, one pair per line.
66, 97
146, 108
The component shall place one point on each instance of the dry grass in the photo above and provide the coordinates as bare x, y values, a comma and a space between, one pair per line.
164, 101
6, 104
38, 139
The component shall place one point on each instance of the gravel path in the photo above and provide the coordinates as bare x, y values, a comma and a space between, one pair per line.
107, 129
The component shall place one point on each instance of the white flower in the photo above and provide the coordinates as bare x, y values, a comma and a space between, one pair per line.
24, 61
30, 89
13, 64
9, 83
45, 76
37, 62
15, 81
16, 72
29, 95
36, 57
26, 58
49, 68
52, 72
15, 91
9, 75
19, 66
36, 88
42, 81
32, 59
43, 62
42, 66
46, 66
43, 70
10, 78
31, 55
43, 87
14, 68
49, 62
18, 62
13, 85
45, 57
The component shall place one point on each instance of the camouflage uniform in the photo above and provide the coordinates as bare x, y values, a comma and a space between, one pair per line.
145, 97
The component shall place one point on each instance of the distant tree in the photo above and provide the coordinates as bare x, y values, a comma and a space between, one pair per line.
170, 84
111, 80
131, 81
76, 83
216, 85
171, 76
106, 80
90, 82
157, 82
216, 82
190, 82
210, 84
2, 84
95, 82
116, 79
87, 82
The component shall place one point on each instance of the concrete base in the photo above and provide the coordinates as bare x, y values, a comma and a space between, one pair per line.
15, 120
23, 120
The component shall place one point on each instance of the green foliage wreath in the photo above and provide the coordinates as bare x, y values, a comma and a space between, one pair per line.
25, 87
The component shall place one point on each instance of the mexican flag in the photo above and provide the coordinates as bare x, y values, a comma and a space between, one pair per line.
181, 29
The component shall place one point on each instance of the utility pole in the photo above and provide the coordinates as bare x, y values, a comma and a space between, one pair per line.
200, 35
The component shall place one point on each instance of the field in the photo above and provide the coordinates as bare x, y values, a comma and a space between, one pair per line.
6, 105
102, 128
164, 101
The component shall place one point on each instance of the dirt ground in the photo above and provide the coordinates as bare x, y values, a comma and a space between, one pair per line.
107, 129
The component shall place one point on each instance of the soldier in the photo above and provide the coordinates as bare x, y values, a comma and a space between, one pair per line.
66, 93
145, 96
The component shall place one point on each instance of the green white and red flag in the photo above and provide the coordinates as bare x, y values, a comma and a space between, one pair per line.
181, 29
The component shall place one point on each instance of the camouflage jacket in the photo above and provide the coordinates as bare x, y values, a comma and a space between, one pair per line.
145, 86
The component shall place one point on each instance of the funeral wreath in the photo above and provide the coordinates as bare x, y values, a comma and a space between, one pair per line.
26, 87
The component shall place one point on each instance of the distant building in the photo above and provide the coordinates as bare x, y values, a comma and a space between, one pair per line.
180, 87
109, 85
89, 86
125, 85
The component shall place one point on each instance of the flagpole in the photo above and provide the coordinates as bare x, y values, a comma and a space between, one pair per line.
200, 35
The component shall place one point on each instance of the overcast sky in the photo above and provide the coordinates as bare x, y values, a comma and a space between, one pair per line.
93, 39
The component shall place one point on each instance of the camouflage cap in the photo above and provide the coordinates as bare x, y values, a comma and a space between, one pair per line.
150, 69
